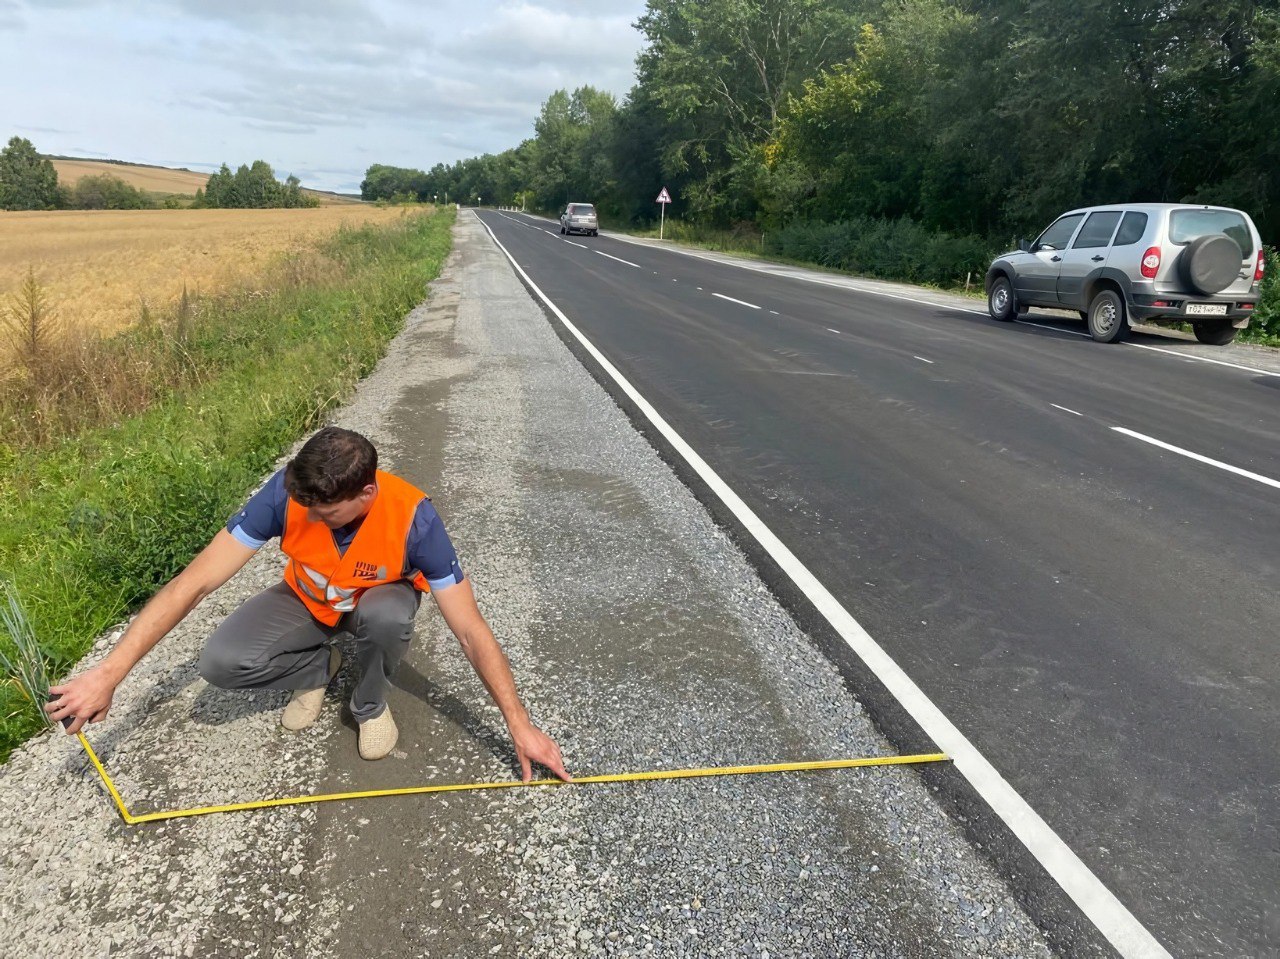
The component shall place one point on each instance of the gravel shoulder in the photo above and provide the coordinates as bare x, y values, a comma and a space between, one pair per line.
640, 638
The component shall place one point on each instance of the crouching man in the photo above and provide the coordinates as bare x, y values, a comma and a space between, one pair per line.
363, 546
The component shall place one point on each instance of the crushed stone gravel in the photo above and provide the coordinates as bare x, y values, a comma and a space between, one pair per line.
640, 638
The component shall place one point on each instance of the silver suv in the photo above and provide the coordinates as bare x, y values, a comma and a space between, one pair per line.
580, 218
1139, 262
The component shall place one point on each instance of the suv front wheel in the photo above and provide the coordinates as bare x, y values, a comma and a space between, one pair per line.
1107, 323
1002, 304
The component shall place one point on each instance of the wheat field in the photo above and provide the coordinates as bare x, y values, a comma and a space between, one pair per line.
99, 266
157, 179
152, 179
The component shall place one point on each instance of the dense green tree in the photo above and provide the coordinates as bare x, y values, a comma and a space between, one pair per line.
383, 182
252, 186
721, 71
968, 120
27, 180
571, 154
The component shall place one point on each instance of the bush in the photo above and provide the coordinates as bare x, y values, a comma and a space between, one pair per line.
892, 249
1266, 317
106, 192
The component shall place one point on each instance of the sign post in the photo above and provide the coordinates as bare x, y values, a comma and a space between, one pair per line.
663, 198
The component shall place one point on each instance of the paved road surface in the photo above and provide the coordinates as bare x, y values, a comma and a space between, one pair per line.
1096, 612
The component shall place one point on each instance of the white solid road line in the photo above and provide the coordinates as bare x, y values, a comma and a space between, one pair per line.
1064, 409
732, 300
547, 232
1120, 927
517, 222
1203, 359
1257, 477
922, 359
1054, 329
619, 259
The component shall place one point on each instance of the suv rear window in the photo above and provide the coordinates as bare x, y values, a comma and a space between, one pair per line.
1097, 230
1187, 225
581, 209
1131, 229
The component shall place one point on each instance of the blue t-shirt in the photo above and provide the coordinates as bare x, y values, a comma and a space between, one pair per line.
427, 548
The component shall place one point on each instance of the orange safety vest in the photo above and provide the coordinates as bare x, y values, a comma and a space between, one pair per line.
331, 584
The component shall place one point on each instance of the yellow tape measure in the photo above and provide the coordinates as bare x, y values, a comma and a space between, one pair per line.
133, 820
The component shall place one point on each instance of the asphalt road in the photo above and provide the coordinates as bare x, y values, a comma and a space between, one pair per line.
1095, 612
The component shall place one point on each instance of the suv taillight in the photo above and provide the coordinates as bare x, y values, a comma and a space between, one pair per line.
1151, 262
1261, 267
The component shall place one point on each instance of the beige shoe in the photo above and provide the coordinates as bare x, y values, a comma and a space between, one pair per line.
378, 736
304, 705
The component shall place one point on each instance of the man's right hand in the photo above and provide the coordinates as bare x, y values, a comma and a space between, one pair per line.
86, 697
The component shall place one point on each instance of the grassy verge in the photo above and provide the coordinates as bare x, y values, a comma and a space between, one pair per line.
94, 520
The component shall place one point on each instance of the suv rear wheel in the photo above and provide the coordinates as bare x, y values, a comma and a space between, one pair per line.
1107, 323
1215, 334
1002, 304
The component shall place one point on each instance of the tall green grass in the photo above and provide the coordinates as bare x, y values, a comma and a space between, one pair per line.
94, 520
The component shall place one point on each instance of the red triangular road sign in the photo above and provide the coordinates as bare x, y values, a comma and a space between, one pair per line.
663, 197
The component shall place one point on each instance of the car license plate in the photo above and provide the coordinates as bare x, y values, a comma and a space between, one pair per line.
1207, 309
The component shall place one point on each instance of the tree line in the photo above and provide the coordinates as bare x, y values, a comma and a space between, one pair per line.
252, 186
29, 181
972, 120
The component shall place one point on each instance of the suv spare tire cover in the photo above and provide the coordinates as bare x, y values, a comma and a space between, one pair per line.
1210, 263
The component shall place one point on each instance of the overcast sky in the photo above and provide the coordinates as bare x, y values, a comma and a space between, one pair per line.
317, 88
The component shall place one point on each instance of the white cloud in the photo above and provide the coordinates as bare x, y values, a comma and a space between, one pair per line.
11, 17
325, 86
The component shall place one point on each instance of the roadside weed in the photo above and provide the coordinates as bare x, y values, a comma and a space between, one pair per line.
21, 657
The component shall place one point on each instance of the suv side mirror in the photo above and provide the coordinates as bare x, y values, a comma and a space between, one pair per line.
1024, 245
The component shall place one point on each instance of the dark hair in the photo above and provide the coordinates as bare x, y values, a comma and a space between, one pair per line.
332, 466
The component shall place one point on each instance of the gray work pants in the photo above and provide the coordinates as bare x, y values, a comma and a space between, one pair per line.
273, 642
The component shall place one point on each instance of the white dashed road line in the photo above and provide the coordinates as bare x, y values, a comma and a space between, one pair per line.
1256, 477
922, 359
583, 245
1065, 410
619, 259
739, 302
915, 299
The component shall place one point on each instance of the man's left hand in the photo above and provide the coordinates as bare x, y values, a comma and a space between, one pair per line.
535, 746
